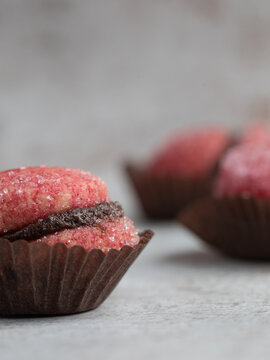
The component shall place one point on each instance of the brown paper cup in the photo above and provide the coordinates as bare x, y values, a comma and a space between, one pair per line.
163, 197
38, 279
238, 227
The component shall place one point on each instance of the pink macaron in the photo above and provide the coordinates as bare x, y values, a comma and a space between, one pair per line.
60, 233
180, 171
235, 219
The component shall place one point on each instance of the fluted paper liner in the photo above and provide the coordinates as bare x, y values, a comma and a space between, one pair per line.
38, 279
162, 197
238, 227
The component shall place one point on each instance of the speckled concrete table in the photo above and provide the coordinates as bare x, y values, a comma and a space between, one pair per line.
179, 300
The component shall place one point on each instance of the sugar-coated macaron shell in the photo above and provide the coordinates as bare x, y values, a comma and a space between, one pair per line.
245, 171
28, 194
189, 154
105, 235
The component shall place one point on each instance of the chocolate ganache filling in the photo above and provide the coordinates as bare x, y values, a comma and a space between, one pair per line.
69, 219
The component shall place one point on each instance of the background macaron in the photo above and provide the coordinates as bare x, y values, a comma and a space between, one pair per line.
245, 171
181, 171
235, 219
189, 154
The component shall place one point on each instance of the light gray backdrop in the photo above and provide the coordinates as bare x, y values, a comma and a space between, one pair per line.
88, 83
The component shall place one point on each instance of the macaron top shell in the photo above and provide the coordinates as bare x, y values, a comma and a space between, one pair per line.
30, 193
245, 171
190, 154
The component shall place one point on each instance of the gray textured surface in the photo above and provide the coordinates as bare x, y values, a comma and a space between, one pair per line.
179, 300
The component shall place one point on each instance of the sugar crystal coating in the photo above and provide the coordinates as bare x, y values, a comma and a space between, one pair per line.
104, 236
28, 194
245, 171
190, 154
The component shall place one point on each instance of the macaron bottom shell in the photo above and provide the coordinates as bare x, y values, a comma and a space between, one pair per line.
105, 235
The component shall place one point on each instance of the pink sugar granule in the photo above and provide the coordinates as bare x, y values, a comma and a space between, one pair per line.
30, 193
104, 236
258, 133
245, 171
190, 154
